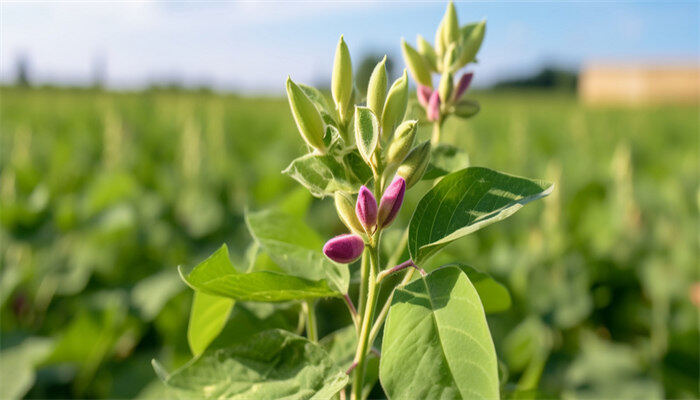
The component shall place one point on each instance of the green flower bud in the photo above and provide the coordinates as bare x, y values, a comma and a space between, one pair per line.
472, 37
402, 143
466, 108
446, 86
395, 106
416, 64
451, 30
428, 52
440, 45
376, 89
306, 116
415, 164
345, 207
451, 57
341, 83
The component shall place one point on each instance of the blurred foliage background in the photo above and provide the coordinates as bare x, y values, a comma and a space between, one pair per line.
103, 194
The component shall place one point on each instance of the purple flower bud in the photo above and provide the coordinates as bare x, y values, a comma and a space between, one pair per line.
463, 84
424, 93
391, 201
366, 209
345, 248
433, 109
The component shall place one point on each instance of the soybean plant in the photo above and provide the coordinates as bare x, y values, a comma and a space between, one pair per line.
436, 342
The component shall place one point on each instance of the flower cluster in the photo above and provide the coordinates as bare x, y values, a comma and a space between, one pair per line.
349, 247
455, 47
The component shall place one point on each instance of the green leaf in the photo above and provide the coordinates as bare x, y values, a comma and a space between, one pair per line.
494, 296
466, 108
207, 319
17, 366
323, 175
436, 341
359, 172
248, 319
445, 158
295, 248
366, 132
464, 202
271, 365
217, 276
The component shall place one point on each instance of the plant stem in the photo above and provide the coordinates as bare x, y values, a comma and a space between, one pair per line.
385, 309
364, 281
400, 267
363, 340
311, 324
437, 125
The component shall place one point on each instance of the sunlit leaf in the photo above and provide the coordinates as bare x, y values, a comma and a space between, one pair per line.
366, 132
271, 365
445, 158
207, 319
295, 248
323, 175
217, 276
494, 296
464, 202
436, 341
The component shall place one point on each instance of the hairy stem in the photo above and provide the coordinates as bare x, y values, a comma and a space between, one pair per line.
385, 309
364, 281
363, 339
437, 131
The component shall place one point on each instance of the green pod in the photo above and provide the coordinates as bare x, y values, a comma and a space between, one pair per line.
472, 38
446, 86
402, 143
341, 81
346, 211
395, 106
451, 30
376, 89
428, 52
416, 64
415, 164
306, 116
440, 46
451, 58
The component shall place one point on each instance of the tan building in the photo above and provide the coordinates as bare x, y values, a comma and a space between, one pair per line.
639, 84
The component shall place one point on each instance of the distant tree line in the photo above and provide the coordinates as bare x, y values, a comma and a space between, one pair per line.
548, 78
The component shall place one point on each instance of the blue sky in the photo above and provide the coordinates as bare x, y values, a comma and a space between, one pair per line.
252, 46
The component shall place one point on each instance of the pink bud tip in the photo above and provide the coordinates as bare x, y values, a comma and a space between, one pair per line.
424, 93
433, 109
344, 249
463, 84
366, 209
391, 201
